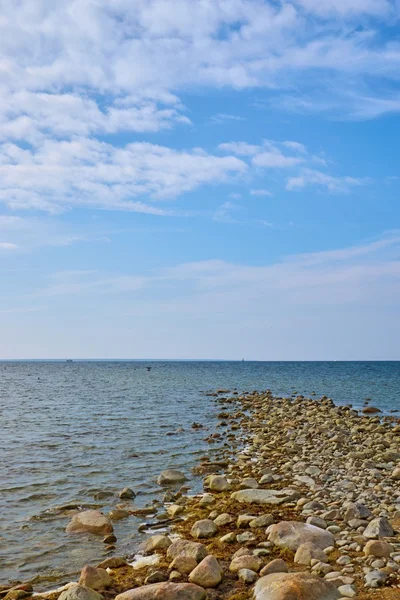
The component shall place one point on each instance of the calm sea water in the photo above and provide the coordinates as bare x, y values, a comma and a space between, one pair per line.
69, 430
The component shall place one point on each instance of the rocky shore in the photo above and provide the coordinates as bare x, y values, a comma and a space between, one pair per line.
301, 502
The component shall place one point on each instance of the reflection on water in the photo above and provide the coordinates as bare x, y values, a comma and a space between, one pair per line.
72, 430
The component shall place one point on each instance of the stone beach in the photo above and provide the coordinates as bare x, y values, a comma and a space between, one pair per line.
301, 502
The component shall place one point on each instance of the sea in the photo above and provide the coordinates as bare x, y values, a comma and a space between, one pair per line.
72, 429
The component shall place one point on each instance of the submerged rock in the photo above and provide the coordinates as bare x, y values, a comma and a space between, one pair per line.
171, 477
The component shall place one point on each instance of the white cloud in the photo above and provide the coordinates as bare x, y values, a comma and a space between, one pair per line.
8, 246
223, 118
260, 192
275, 159
309, 177
61, 174
346, 8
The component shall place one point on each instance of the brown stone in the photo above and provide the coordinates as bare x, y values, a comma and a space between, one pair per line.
91, 521
164, 591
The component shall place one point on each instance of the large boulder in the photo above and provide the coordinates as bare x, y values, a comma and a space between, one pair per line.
188, 549
273, 497
294, 586
207, 574
292, 534
164, 591
96, 579
91, 521
171, 477
79, 592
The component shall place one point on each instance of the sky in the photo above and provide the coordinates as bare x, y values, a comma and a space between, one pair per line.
211, 179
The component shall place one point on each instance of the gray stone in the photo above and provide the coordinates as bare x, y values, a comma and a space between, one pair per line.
171, 477
165, 591
308, 552
187, 548
348, 591
374, 579
126, 494
205, 528
156, 542
79, 592
247, 576
207, 574
378, 528
292, 534
218, 483
261, 522
272, 497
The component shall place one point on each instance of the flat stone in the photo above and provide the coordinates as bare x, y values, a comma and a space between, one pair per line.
187, 548
90, 521
114, 562
292, 534
207, 574
171, 477
294, 586
164, 591
273, 497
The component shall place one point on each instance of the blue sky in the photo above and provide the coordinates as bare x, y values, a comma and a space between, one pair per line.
200, 179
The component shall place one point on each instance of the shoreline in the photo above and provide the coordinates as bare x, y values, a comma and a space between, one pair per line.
286, 460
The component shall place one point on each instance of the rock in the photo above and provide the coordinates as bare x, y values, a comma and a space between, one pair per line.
247, 536
378, 548
317, 522
307, 552
207, 574
96, 579
206, 500
175, 576
187, 548
223, 519
171, 477
205, 528
156, 542
378, 528
247, 576
371, 410
228, 538
292, 534
294, 586
248, 483
218, 483
165, 591
174, 510
396, 473
374, 579
78, 592
115, 562
273, 497
126, 494
116, 514
16, 594
356, 510
91, 521
183, 564
348, 591
261, 522
275, 566
110, 539
247, 561
155, 577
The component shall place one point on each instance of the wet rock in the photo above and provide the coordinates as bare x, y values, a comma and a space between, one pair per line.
246, 561
79, 592
371, 410
171, 477
91, 521
308, 552
126, 494
156, 542
290, 586
378, 528
273, 497
378, 548
275, 566
205, 528
165, 591
117, 514
183, 564
94, 578
115, 562
247, 576
187, 548
207, 574
292, 534
110, 539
